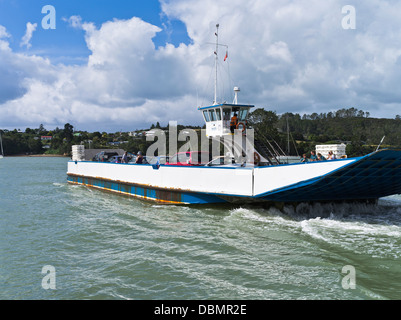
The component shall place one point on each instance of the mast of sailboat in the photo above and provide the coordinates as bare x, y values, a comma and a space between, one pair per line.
1, 143
288, 138
215, 63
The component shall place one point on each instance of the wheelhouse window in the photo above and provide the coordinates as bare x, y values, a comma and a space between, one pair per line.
218, 114
243, 114
206, 115
212, 115
226, 114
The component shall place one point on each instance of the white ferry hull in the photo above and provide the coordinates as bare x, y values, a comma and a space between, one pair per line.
338, 180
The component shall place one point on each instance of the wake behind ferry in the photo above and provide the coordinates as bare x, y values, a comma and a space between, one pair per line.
252, 175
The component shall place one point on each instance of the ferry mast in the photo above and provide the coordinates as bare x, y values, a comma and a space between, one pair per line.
215, 63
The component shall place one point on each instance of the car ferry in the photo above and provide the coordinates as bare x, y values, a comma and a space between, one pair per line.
249, 176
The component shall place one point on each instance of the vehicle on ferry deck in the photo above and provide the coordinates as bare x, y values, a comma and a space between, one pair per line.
190, 158
115, 159
104, 156
158, 160
221, 161
145, 160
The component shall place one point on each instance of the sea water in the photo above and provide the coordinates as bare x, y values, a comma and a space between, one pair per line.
60, 241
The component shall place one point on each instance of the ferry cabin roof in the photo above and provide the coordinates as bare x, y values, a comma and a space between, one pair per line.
217, 117
235, 107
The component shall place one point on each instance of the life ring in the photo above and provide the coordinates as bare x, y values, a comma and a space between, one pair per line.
243, 126
256, 158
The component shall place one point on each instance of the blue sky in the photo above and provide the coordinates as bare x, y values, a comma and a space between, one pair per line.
67, 45
123, 65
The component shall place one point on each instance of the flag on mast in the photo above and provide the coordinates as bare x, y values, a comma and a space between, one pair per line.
225, 58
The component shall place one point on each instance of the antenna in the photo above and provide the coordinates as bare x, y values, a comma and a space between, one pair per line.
236, 90
215, 63
216, 53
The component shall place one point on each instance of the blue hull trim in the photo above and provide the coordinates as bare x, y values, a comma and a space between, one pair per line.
370, 177
145, 192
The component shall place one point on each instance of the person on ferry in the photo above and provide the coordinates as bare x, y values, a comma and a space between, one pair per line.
320, 157
233, 123
124, 159
304, 158
313, 156
331, 156
139, 158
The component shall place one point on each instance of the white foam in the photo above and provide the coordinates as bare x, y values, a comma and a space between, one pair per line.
375, 239
58, 184
308, 227
364, 228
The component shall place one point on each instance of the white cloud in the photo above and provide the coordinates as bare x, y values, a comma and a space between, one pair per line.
15, 70
26, 39
127, 82
3, 32
288, 55
295, 56
279, 50
74, 21
3, 35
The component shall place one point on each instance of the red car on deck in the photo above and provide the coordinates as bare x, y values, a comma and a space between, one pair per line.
189, 158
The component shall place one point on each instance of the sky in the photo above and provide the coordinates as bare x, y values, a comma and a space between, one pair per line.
104, 65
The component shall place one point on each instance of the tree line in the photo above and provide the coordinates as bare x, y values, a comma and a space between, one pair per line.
35, 142
300, 134
294, 133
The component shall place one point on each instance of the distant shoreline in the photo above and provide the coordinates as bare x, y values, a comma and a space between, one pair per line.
37, 156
